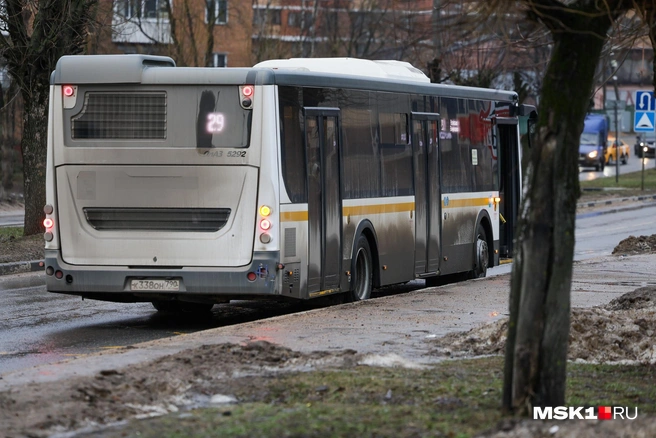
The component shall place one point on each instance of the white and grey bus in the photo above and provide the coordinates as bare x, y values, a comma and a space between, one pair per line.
293, 179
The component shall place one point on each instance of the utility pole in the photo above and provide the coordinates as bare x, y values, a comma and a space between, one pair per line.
617, 134
613, 65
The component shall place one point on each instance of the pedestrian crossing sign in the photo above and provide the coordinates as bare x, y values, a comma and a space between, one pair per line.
644, 121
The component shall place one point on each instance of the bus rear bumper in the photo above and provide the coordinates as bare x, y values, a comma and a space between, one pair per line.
115, 283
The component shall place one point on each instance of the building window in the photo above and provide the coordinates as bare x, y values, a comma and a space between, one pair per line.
267, 17
146, 9
127, 8
301, 19
155, 9
220, 10
219, 60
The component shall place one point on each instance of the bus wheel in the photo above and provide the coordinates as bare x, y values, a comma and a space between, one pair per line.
182, 307
482, 255
363, 272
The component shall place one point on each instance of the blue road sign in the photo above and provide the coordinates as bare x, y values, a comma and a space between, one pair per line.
644, 121
644, 100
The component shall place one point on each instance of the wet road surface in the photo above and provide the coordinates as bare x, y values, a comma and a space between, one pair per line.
41, 327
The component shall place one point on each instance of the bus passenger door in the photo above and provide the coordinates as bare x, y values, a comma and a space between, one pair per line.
425, 129
324, 199
509, 183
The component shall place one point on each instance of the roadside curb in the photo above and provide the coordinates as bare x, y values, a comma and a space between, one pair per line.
616, 201
20, 267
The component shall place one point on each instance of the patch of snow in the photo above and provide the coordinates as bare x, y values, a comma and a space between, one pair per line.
221, 399
391, 360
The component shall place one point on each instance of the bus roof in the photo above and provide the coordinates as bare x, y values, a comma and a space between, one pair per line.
355, 67
154, 70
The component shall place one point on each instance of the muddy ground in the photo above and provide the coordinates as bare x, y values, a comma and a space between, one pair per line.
620, 332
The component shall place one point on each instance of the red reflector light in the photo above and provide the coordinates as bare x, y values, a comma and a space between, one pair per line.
247, 90
265, 224
48, 223
251, 276
68, 90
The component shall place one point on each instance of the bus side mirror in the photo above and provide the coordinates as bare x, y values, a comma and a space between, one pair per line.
529, 113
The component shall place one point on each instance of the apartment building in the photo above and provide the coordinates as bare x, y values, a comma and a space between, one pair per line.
214, 33
382, 29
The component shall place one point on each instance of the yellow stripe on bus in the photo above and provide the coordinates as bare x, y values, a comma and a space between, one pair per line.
300, 216
379, 208
293, 216
472, 202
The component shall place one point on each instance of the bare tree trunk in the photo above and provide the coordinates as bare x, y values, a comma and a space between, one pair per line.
538, 331
34, 161
209, 28
6, 159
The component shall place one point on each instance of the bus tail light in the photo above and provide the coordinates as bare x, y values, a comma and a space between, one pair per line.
246, 93
68, 90
69, 95
265, 210
265, 223
251, 276
48, 223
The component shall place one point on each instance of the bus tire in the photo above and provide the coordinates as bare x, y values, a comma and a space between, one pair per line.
363, 271
182, 307
481, 253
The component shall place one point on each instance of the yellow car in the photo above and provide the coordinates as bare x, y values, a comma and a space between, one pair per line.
611, 151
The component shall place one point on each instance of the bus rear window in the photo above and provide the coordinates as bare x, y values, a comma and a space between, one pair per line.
179, 116
121, 116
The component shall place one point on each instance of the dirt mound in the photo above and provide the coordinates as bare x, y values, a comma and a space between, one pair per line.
206, 376
638, 299
17, 249
621, 331
636, 245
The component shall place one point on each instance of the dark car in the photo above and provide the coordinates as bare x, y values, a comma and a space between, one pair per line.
644, 147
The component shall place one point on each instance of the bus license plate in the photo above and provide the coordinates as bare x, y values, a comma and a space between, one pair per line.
154, 285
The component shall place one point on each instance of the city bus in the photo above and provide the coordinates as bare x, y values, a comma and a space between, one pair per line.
293, 179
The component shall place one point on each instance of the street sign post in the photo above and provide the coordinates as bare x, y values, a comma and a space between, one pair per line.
645, 113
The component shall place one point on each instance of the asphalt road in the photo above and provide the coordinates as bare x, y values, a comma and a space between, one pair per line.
38, 327
634, 164
11, 219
